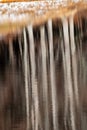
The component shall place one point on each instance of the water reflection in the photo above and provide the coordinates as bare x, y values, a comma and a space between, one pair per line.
43, 77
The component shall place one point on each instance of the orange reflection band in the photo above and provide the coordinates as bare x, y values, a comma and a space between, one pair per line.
12, 0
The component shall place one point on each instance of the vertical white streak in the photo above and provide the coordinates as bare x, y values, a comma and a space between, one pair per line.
33, 80
26, 77
68, 69
20, 46
52, 77
33, 116
44, 77
65, 86
11, 52
74, 63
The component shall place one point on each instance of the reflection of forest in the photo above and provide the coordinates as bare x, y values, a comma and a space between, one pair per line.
12, 91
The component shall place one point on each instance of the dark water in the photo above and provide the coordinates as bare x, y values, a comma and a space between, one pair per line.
43, 77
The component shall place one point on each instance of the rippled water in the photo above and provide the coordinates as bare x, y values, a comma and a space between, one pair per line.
43, 75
